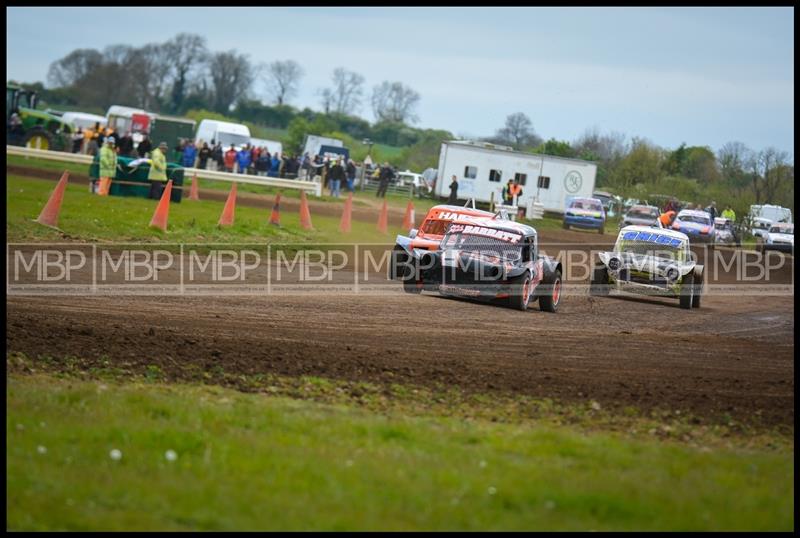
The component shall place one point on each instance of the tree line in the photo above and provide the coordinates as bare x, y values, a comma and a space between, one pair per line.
182, 77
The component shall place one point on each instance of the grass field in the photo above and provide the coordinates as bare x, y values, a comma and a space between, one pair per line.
250, 461
88, 217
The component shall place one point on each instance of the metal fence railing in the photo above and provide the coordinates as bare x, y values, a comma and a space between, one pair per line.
310, 186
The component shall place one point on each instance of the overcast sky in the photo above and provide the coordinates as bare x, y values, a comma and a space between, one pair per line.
672, 75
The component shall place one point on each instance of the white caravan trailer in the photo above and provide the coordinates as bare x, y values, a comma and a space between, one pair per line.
482, 169
225, 132
271, 145
314, 143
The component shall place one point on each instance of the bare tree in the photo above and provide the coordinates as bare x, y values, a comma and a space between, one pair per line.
282, 79
187, 54
770, 170
518, 131
344, 97
73, 67
392, 101
231, 78
609, 147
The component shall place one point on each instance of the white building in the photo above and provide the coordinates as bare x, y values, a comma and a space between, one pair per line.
482, 169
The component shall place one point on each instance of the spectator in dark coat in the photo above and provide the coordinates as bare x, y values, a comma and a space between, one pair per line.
203, 156
386, 175
351, 175
453, 191
144, 147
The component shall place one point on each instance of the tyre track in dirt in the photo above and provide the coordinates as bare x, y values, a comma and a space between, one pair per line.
643, 358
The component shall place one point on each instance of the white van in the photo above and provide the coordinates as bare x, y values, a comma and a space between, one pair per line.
775, 213
271, 145
83, 119
227, 133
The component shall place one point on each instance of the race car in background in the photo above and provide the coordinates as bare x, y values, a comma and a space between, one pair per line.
648, 261
585, 213
696, 224
642, 215
779, 237
484, 258
759, 227
726, 235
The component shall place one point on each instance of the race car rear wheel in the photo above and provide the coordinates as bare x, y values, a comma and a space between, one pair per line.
687, 291
599, 284
550, 295
520, 292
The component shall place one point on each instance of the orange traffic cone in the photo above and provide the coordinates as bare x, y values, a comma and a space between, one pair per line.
194, 194
305, 214
49, 214
408, 220
159, 219
275, 218
226, 219
347, 214
383, 219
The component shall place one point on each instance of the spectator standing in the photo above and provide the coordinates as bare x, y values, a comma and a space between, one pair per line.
243, 159
218, 156
144, 147
108, 166
336, 177
125, 145
729, 213
263, 163
77, 140
158, 170
712, 210
275, 165
189, 155
93, 148
306, 166
507, 196
351, 175
203, 156
230, 159
454, 191
386, 175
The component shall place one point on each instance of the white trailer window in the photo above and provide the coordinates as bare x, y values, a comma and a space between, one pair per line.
470, 172
544, 182
495, 175
521, 178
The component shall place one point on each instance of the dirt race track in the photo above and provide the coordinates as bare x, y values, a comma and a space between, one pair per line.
733, 357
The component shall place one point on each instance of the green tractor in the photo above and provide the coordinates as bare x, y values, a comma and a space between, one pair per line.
39, 129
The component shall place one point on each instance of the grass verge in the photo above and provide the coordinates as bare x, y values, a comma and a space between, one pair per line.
87, 217
249, 461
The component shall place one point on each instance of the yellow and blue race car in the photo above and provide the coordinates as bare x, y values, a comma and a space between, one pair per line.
650, 261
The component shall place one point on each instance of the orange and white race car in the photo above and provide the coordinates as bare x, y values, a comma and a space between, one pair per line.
432, 230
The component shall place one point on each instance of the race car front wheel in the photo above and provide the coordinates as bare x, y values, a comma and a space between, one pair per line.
687, 291
521, 292
599, 284
550, 296
698, 290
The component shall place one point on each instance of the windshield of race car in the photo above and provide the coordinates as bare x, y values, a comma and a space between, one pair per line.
697, 219
586, 204
485, 241
642, 213
435, 226
651, 244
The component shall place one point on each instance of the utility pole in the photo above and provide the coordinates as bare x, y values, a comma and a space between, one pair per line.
367, 142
